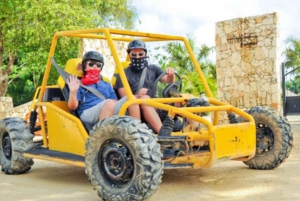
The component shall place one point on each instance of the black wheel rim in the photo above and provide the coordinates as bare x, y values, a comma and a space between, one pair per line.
264, 138
6, 144
115, 162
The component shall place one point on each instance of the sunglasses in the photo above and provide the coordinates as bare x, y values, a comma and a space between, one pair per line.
97, 63
133, 54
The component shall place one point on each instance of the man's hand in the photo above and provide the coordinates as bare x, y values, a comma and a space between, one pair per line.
170, 71
170, 75
142, 92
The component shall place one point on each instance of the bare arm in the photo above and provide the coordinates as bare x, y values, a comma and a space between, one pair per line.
169, 77
73, 84
122, 92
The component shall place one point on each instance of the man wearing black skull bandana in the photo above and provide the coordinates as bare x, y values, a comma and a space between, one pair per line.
137, 51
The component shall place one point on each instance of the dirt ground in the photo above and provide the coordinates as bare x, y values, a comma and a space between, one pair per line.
226, 180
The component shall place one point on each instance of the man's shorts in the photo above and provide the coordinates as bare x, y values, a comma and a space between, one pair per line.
91, 115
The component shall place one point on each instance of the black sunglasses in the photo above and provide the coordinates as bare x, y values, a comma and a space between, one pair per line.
133, 54
98, 64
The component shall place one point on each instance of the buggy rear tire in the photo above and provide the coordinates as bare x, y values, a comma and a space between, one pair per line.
123, 159
273, 138
15, 138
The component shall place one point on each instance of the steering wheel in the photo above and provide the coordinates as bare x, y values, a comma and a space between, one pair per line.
172, 88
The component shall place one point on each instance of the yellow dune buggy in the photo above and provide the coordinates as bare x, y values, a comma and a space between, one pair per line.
122, 157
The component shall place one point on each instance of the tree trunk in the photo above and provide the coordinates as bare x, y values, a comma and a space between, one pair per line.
3, 85
4, 73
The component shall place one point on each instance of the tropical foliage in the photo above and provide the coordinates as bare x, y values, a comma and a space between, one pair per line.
292, 53
27, 28
178, 58
294, 85
292, 64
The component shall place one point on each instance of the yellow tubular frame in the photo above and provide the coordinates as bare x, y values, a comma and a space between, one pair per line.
220, 137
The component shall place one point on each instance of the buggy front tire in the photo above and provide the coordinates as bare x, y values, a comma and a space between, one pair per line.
15, 139
123, 159
274, 138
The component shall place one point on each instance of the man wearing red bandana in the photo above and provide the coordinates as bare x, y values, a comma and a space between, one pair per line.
90, 107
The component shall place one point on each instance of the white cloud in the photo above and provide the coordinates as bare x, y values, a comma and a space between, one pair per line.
198, 17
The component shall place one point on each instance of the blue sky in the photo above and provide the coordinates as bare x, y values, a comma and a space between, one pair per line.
198, 17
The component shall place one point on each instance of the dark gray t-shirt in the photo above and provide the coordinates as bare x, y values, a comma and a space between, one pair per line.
133, 78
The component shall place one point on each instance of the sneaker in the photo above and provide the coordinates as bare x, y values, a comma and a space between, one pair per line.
164, 132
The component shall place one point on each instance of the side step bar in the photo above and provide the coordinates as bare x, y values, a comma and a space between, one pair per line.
55, 156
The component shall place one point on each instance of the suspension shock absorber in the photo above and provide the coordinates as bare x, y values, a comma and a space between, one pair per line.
32, 120
167, 127
232, 118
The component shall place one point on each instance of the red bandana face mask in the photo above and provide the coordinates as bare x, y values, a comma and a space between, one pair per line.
92, 76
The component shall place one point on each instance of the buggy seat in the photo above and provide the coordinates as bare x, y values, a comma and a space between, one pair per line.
73, 66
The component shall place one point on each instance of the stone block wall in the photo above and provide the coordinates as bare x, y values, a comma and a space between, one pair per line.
7, 109
248, 69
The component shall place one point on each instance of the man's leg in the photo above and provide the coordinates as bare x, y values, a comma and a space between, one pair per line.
133, 110
151, 116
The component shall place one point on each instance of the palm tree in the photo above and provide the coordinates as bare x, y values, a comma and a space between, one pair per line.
179, 55
294, 85
180, 60
292, 53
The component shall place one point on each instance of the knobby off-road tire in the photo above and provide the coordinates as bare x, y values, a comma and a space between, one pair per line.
15, 138
273, 138
123, 159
